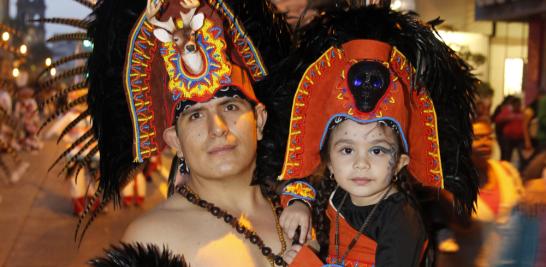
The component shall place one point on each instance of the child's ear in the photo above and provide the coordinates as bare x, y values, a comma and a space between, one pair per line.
329, 167
403, 161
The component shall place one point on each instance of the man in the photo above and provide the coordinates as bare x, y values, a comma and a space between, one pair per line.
193, 74
218, 141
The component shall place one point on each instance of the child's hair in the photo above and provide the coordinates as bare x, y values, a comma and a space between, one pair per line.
325, 186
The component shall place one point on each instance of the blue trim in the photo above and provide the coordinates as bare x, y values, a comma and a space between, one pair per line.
325, 131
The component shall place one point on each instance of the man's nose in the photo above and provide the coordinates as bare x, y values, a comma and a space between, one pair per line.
218, 126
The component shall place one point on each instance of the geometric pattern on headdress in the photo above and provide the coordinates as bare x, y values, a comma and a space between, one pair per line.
156, 78
323, 95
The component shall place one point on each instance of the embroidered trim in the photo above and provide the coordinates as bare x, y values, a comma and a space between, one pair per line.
137, 91
242, 43
300, 190
299, 107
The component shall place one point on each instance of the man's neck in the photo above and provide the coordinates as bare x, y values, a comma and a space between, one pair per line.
231, 193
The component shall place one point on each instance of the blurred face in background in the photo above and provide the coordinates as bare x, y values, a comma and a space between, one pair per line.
482, 145
294, 9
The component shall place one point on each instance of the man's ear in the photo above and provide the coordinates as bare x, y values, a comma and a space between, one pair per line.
261, 118
170, 137
403, 161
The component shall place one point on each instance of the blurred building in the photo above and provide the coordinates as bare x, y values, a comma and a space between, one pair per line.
496, 48
28, 10
533, 13
4, 11
32, 34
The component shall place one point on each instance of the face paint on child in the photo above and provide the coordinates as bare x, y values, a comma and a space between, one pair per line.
364, 159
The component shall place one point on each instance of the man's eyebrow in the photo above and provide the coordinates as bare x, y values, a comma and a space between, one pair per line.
191, 110
228, 100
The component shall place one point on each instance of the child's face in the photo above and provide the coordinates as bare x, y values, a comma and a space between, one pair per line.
364, 159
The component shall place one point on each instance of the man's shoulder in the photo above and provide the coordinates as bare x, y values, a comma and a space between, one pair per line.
159, 224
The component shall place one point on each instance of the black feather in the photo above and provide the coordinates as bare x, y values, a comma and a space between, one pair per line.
62, 110
74, 144
73, 36
63, 75
72, 124
139, 255
86, 3
63, 93
65, 21
64, 60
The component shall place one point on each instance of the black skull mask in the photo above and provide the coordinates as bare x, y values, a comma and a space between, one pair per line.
368, 82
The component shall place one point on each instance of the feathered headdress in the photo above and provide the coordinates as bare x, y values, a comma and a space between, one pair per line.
418, 71
149, 56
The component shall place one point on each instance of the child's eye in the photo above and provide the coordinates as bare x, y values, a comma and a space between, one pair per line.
346, 151
231, 107
378, 150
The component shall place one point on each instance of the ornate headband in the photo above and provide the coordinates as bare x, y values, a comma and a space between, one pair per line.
184, 50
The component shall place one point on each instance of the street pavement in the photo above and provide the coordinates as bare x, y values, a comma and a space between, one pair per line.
36, 222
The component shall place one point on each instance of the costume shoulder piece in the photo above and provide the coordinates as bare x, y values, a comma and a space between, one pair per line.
372, 63
150, 57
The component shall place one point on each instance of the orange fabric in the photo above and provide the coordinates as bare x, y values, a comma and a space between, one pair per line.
363, 252
323, 94
306, 258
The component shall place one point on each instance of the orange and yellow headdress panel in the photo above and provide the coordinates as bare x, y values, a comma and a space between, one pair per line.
184, 51
366, 81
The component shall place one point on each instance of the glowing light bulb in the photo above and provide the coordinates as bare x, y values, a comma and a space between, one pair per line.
5, 36
53, 71
15, 72
23, 49
48, 62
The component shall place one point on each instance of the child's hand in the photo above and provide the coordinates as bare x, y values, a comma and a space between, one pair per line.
297, 214
291, 254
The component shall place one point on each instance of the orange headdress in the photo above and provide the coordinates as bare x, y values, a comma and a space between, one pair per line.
366, 81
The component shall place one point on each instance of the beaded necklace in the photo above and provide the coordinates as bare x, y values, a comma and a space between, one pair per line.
340, 260
252, 236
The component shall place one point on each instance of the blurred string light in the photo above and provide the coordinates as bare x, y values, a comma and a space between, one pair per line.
23, 49
87, 44
53, 71
396, 4
5, 36
15, 72
48, 62
400, 5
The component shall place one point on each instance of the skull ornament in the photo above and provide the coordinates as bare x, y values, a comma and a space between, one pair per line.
368, 82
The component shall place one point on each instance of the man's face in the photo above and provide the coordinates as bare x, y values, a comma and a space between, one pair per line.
482, 145
218, 138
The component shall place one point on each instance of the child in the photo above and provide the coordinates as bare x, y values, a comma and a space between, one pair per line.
364, 123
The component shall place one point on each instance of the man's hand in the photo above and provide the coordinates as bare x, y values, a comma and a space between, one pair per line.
297, 214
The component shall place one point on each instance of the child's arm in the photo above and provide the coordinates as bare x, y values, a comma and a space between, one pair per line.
297, 198
296, 215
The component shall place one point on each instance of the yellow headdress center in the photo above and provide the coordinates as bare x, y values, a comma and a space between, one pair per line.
179, 23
